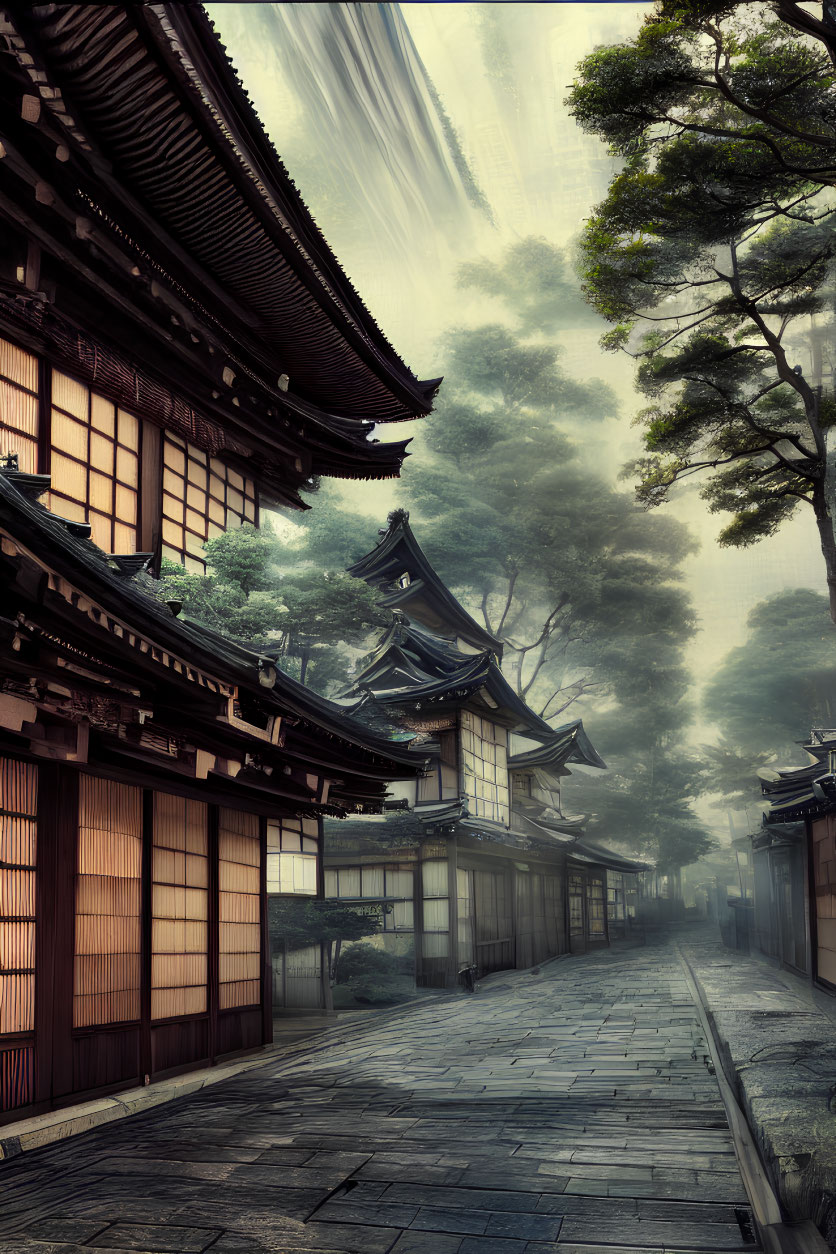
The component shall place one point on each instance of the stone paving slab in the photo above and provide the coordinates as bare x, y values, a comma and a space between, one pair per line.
572, 1111
778, 1040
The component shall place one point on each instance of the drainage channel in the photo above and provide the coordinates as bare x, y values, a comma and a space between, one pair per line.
777, 1235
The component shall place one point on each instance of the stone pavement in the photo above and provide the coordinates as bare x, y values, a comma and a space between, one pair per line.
573, 1110
778, 1041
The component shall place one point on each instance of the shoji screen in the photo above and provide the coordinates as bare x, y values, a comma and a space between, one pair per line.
202, 498
239, 909
19, 405
18, 851
180, 901
291, 855
108, 903
94, 464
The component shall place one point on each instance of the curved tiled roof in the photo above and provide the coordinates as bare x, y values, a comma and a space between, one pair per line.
158, 121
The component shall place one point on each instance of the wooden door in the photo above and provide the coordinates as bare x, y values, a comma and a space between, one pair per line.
493, 921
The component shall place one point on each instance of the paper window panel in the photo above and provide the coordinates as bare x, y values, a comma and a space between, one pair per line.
95, 464
349, 881
372, 881
108, 903
179, 907
331, 884
18, 852
19, 411
434, 875
202, 498
239, 909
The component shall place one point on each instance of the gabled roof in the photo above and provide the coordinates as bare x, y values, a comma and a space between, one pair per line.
168, 157
411, 666
568, 743
424, 597
805, 791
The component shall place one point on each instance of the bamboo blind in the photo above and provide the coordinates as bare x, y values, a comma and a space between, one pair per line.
484, 757
292, 846
180, 907
18, 851
202, 498
108, 903
239, 909
94, 464
19, 412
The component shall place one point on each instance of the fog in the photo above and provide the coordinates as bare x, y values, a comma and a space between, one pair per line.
354, 98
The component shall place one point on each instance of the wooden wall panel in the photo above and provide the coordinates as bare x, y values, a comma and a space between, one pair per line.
104, 1058
180, 907
178, 1044
239, 1031
106, 984
239, 909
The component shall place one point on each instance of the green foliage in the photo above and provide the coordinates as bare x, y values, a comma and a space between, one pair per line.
273, 599
717, 236
298, 923
372, 975
771, 690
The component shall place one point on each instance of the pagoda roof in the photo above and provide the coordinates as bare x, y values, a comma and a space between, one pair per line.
806, 791
568, 743
92, 602
425, 597
411, 666
164, 160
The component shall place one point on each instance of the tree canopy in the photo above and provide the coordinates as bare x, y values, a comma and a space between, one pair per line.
770, 691
713, 251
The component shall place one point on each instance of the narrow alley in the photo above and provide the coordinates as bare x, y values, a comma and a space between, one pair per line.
571, 1109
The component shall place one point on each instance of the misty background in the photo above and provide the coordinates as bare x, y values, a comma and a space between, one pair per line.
425, 136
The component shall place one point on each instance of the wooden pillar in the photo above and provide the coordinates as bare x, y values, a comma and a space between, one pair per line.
146, 1059
266, 963
213, 932
418, 918
55, 929
452, 913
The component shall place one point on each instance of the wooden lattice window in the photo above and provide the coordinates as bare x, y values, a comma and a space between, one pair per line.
292, 846
484, 754
18, 852
19, 412
180, 907
202, 498
108, 899
94, 464
239, 909
595, 905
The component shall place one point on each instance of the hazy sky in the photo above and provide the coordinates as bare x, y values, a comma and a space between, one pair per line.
399, 235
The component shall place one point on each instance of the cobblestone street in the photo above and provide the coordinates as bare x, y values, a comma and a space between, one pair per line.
567, 1110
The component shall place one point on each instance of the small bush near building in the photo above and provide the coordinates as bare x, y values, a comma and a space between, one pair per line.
374, 977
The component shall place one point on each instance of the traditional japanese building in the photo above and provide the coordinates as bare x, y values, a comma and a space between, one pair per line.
178, 348
477, 862
794, 857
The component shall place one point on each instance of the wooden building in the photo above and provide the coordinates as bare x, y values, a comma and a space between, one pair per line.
477, 862
794, 858
178, 347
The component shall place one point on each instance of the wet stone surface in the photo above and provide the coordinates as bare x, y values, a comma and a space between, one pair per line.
571, 1110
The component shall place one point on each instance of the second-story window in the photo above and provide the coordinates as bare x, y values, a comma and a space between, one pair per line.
19, 406
202, 498
485, 761
94, 464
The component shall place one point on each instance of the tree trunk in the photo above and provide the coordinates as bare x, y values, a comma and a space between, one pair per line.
305, 655
824, 507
